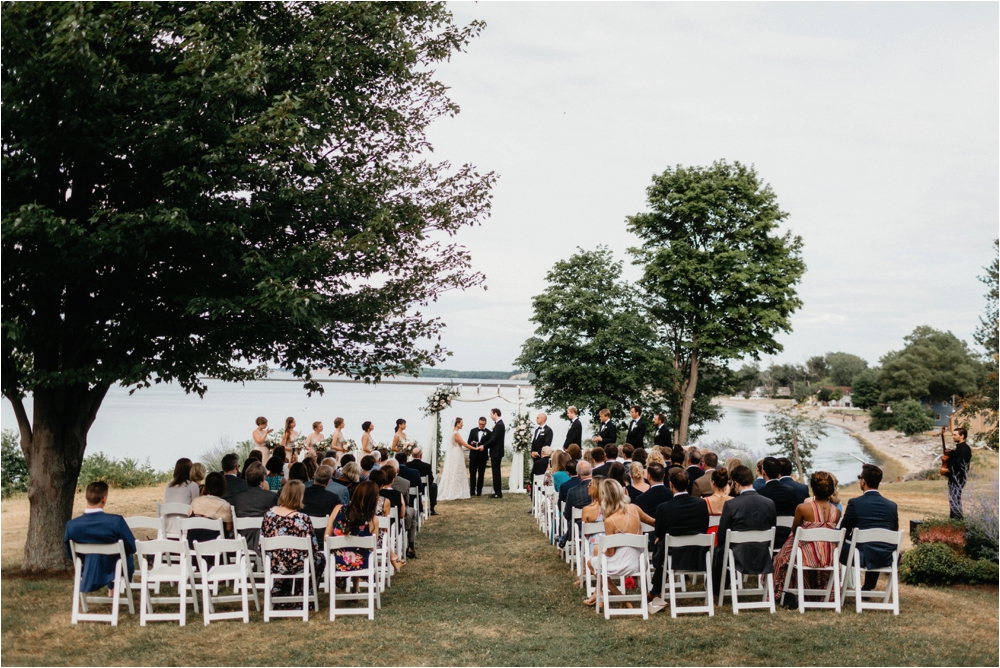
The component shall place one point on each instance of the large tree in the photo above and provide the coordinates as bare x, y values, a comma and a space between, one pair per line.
720, 277
934, 365
844, 367
198, 189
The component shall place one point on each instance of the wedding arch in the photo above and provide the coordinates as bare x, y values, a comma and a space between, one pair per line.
444, 395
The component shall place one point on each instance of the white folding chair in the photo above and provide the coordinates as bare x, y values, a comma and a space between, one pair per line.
620, 541
713, 520
122, 585
669, 573
170, 511
241, 524
201, 524
536, 489
164, 571
238, 571
797, 563
588, 529
415, 504
143, 523
384, 565
782, 521
307, 576
425, 497
364, 576
890, 597
765, 586
576, 539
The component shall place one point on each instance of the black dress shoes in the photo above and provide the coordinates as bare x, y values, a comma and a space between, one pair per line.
496, 496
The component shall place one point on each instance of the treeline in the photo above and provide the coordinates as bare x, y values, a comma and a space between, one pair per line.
426, 372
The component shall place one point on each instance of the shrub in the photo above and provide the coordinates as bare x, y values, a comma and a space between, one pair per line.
940, 564
212, 458
13, 465
980, 502
119, 474
947, 531
911, 417
881, 420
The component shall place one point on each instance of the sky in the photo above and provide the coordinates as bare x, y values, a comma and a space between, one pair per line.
876, 124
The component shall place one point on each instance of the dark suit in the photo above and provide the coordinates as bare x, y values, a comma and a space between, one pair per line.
234, 486
694, 474
412, 476
664, 436
565, 488
871, 510
578, 497
477, 461
608, 433
574, 435
425, 470
651, 499
539, 467
542, 437
958, 473
636, 433
101, 528
749, 511
601, 470
494, 443
683, 515
785, 503
317, 502
253, 502
801, 491
758, 483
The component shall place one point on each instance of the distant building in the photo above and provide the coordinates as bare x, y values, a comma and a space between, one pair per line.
942, 411
783, 392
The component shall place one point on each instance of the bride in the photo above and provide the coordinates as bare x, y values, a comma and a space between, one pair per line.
454, 482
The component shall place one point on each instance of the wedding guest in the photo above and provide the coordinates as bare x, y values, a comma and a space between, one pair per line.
314, 439
719, 479
100, 528
600, 461
367, 464
275, 473
198, 473
230, 468
703, 485
383, 456
655, 457
384, 479
383, 509
574, 451
297, 471
399, 439
252, 456
317, 501
286, 519
254, 501
338, 442
402, 485
871, 510
619, 518
355, 519
259, 436
657, 493
289, 436
801, 491
570, 482
426, 471
682, 515
617, 472
367, 446
749, 511
816, 513
784, 497
589, 514
611, 453
694, 469
180, 489
578, 496
351, 472
559, 472
638, 485
541, 465
377, 460
639, 455
311, 466
759, 480
211, 503
677, 457
626, 455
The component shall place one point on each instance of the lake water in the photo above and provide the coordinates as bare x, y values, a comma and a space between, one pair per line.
162, 423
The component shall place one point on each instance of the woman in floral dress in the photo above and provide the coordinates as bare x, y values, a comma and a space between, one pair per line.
355, 519
285, 519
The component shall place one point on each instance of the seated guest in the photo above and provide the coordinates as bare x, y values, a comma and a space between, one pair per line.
817, 513
871, 510
801, 491
355, 519
617, 472
655, 457
748, 511
611, 453
384, 456
317, 501
402, 485
682, 515
212, 502
234, 483
641, 456
254, 501
254, 456
198, 473
677, 457
350, 475
637, 485
574, 451
694, 470
95, 527
286, 519
426, 471
377, 460
557, 474
657, 493
625, 455
782, 496
591, 513
180, 489
578, 496
367, 466
702, 486
541, 465
759, 480
384, 480
297, 471
619, 518
412, 475
720, 494
599, 462
275, 473
311, 466
572, 481
383, 510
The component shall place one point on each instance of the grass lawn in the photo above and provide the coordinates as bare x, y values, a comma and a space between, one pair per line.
488, 589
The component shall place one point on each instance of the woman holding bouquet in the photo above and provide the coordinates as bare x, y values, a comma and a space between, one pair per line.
366, 438
313, 440
259, 436
337, 441
399, 440
289, 436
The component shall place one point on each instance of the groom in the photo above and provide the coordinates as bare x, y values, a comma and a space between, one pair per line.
494, 444
477, 458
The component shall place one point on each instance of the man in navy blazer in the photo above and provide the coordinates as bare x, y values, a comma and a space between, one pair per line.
99, 528
801, 490
682, 515
783, 497
657, 493
234, 484
871, 510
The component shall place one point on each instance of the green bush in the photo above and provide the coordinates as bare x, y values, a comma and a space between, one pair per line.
940, 564
911, 416
119, 474
882, 420
212, 458
13, 465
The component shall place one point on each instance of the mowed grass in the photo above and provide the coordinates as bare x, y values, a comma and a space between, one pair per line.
488, 589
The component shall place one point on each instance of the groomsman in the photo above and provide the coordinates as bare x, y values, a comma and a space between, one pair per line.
575, 433
542, 437
494, 445
477, 458
608, 432
636, 429
663, 435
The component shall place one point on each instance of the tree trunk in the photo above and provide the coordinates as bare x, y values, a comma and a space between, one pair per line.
798, 459
690, 387
54, 445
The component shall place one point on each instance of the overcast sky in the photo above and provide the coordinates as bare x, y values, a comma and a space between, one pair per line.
876, 125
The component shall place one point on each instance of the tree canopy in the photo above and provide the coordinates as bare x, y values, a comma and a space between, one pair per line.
934, 365
844, 367
196, 189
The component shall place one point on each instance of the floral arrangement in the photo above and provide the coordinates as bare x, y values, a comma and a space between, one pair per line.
522, 432
441, 399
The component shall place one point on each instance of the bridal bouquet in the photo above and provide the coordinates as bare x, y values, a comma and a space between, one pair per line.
522, 432
406, 445
441, 399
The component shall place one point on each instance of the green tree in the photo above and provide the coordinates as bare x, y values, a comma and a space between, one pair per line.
824, 394
844, 367
784, 375
818, 368
593, 346
934, 365
748, 379
911, 417
719, 277
795, 435
801, 391
193, 189
984, 404
865, 389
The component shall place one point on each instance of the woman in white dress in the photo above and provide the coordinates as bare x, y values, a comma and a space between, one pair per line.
454, 483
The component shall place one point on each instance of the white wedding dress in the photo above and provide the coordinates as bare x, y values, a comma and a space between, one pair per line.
454, 483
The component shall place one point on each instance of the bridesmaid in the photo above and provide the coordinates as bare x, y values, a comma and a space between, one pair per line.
337, 441
313, 440
400, 436
289, 436
366, 438
259, 436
